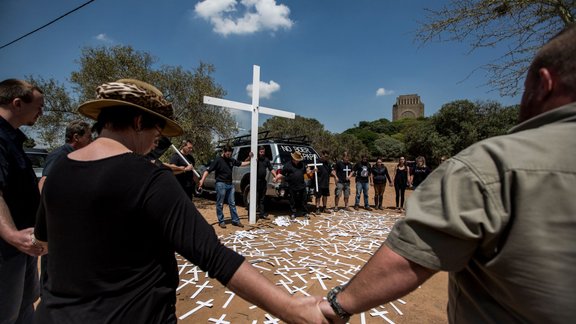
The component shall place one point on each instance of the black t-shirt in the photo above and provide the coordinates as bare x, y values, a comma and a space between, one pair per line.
294, 175
380, 174
223, 168
113, 226
186, 179
18, 183
419, 174
362, 171
341, 169
324, 171
263, 165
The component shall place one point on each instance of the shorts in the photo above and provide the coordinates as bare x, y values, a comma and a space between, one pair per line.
342, 187
322, 192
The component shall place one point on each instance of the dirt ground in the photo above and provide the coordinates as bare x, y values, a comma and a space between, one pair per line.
337, 243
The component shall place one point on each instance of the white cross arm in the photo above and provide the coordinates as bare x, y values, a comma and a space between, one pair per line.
247, 107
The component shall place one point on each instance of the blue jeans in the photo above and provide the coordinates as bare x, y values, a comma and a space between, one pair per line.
19, 288
225, 191
362, 187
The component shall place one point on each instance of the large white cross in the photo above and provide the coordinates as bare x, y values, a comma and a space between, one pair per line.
315, 165
255, 109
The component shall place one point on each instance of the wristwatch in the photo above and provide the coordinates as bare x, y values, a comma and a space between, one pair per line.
332, 294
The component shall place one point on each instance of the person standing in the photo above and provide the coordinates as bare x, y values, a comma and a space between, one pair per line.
379, 175
342, 172
20, 104
114, 222
499, 216
362, 172
263, 167
222, 167
293, 173
419, 172
401, 182
324, 172
78, 135
186, 177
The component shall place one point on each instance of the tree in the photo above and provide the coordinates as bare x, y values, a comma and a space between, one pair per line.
422, 138
389, 147
525, 24
350, 144
185, 89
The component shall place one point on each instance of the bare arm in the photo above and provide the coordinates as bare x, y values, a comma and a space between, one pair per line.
20, 239
204, 175
386, 276
249, 284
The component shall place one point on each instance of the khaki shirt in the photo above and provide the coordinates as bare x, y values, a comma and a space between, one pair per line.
501, 218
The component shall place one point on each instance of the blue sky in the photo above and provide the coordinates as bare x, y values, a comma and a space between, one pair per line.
340, 62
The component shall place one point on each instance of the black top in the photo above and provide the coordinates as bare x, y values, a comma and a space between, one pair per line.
294, 175
18, 183
186, 179
223, 168
341, 173
263, 165
419, 174
380, 174
324, 171
401, 178
113, 226
362, 171
54, 156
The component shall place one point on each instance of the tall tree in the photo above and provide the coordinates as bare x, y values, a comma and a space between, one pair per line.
185, 89
525, 24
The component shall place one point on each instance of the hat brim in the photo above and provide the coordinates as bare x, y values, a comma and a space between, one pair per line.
295, 158
92, 108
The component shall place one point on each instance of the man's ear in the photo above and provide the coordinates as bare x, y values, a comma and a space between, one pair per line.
138, 123
546, 83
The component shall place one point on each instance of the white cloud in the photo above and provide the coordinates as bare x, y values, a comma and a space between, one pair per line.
103, 38
383, 92
266, 89
255, 16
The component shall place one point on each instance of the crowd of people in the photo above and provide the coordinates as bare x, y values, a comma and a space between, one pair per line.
498, 216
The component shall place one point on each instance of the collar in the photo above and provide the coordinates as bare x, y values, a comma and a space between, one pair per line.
562, 114
15, 135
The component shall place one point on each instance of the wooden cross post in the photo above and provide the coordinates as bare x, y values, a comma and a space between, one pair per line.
255, 109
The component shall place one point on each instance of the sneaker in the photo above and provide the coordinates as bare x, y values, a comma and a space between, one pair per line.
368, 208
306, 216
347, 209
325, 210
265, 216
238, 224
356, 208
222, 225
293, 216
380, 208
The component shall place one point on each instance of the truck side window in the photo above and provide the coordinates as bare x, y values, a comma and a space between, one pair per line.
243, 153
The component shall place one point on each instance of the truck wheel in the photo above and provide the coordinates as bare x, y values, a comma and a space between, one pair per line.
246, 196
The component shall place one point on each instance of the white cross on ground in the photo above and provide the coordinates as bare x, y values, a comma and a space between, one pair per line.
200, 288
219, 320
186, 282
232, 294
255, 109
382, 314
201, 304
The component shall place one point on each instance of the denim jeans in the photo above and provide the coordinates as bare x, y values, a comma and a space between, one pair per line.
225, 191
362, 187
19, 288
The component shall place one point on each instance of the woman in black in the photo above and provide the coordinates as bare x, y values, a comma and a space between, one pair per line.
419, 172
400, 182
113, 221
379, 176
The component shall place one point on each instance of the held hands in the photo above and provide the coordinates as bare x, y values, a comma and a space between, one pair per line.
305, 310
25, 241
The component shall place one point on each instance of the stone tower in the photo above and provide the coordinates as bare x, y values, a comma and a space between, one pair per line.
407, 106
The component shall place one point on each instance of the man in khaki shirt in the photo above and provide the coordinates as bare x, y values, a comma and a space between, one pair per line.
500, 216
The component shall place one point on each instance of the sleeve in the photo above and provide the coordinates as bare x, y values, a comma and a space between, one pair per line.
40, 230
213, 165
186, 230
3, 164
50, 162
269, 165
449, 219
236, 163
175, 159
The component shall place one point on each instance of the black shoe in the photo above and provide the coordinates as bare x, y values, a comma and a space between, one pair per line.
222, 225
306, 216
265, 216
293, 216
238, 224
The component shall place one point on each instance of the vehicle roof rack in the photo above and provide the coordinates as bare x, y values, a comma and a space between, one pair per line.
264, 137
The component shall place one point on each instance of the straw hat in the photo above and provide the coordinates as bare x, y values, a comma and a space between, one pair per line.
297, 156
133, 93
